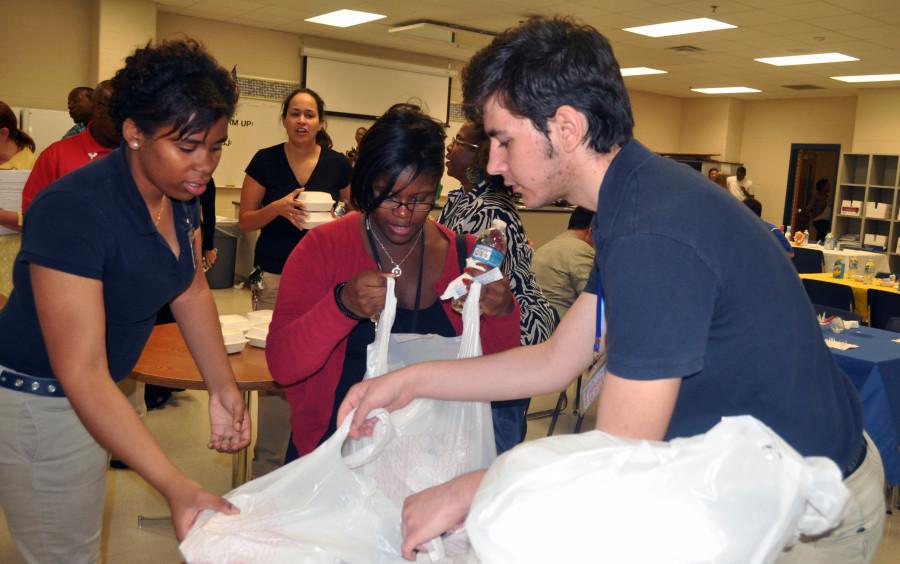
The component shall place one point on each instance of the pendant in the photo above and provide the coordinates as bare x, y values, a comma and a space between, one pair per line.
396, 271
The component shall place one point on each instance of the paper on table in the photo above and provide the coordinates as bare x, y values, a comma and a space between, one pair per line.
11, 184
839, 345
895, 340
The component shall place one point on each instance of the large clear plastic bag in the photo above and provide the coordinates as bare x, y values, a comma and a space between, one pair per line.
736, 494
316, 510
434, 441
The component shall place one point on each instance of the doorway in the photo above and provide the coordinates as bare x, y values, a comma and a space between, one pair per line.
809, 164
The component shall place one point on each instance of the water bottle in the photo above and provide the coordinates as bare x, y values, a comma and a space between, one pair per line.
787, 234
853, 268
806, 236
829, 241
837, 269
489, 250
869, 271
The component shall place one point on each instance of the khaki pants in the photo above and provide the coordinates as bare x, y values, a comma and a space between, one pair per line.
856, 539
52, 477
273, 424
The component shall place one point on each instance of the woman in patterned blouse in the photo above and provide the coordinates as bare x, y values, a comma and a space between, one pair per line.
481, 199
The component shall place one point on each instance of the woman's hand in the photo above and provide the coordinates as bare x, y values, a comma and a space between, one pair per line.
365, 293
291, 209
229, 421
496, 297
187, 499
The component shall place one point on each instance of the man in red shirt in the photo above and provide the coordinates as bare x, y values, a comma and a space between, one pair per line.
62, 157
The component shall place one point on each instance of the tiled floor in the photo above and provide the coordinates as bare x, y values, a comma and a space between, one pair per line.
182, 429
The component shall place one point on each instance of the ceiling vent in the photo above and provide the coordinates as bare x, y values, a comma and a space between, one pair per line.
802, 87
686, 49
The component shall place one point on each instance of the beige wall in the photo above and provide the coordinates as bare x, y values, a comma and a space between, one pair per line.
877, 126
118, 28
771, 126
657, 120
44, 46
256, 52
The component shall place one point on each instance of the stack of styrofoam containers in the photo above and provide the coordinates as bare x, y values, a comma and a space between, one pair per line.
319, 205
233, 329
878, 210
850, 207
259, 327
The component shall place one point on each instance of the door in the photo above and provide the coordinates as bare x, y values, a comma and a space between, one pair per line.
809, 164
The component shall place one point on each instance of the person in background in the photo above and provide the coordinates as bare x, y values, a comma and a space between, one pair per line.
322, 323
563, 264
353, 153
739, 185
722, 181
819, 208
16, 146
103, 248
80, 102
692, 329
62, 157
275, 177
481, 199
756, 207
712, 173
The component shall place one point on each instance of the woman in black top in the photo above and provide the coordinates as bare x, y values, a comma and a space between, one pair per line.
276, 175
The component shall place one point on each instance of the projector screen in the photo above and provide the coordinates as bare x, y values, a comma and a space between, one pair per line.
364, 90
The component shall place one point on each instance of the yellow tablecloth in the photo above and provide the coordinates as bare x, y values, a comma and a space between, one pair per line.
860, 298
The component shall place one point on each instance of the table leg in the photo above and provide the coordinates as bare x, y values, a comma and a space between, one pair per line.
241, 461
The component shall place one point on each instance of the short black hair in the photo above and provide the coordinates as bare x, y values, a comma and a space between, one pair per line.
403, 137
581, 218
822, 184
545, 63
741, 170
175, 84
322, 137
754, 206
79, 90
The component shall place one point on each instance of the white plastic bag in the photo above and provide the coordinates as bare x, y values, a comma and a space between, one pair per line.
434, 441
736, 494
314, 510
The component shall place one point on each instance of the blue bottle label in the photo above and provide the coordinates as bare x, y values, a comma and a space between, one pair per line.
487, 255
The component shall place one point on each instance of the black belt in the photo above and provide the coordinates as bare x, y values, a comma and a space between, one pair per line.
857, 462
31, 384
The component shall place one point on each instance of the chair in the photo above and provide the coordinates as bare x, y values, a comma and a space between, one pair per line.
829, 294
844, 314
882, 306
808, 261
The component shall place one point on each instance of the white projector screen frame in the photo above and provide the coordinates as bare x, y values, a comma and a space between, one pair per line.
365, 89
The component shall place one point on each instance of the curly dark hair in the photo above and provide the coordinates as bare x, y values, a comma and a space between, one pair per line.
545, 63
403, 137
322, 137
175, 84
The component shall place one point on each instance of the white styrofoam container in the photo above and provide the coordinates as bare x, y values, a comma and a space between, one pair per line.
234, 322
878, 210
850, 207
316, 201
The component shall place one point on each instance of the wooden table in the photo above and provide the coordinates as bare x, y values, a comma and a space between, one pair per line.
860, 299
167, 362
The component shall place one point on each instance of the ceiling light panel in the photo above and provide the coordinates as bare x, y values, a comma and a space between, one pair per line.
640, 71
814, 59
680, 27
727, 90
868, 78
345, 18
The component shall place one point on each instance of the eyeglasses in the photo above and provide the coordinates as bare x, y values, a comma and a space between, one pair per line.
393, 205
458, 141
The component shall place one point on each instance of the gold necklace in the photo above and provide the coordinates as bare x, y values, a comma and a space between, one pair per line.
159, 211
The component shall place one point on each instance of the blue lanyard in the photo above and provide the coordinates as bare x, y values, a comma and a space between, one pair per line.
601, 313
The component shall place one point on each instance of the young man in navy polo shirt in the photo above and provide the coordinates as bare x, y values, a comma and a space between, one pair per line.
696, 330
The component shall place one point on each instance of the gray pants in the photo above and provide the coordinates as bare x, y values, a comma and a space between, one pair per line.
273, 423
52, 478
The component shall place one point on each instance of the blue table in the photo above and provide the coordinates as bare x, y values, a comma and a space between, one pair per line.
874, 368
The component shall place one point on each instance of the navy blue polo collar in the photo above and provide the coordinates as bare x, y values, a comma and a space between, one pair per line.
133, 205
614, 188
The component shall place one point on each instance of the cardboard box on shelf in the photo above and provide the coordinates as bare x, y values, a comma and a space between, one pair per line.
850, 207
878, 210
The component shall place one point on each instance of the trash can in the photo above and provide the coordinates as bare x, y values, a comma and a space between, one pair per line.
225, 239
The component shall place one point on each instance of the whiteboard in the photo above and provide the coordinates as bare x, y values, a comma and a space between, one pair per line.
256, 125
44, 126
373, 89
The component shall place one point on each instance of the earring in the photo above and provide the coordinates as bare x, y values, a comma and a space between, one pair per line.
474, 175
134, 145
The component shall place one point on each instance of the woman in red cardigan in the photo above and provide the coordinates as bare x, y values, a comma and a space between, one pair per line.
333, 283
